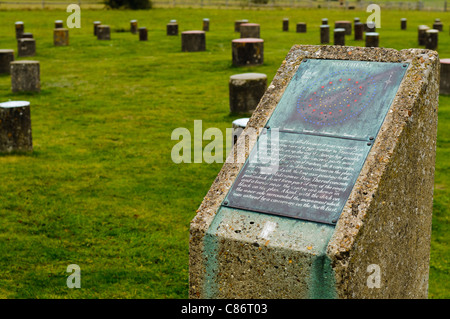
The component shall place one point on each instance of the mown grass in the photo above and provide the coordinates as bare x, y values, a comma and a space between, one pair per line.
100, 189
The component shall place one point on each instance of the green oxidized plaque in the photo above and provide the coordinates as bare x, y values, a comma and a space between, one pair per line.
321, 131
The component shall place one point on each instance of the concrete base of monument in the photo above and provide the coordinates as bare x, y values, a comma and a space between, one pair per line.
251, 255
379, 246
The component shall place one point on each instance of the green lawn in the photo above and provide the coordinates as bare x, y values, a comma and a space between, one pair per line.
100, 189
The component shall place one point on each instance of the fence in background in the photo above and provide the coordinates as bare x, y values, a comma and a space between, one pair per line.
430, 5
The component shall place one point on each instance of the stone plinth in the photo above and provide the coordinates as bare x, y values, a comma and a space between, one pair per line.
324, 34
403, 23
301, 27
25, 76
237, 24
193, 41
444, 87
422, 34
372, 39
339, 36
432, 39
103, 32
61, 37
15, 127
359, 31
247, 51
238, 126
384, 229
172, 28
59, 24
285, 24
134, 26
26, 47
143, 34
250, 30
96, 24
20, 29
6, 57
205, 24
246, 90
347, 25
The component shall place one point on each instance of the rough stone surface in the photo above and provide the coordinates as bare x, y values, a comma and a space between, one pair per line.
247, 51
386, 220
26, 47
25, 76
246, 90
6, 57
15, 127
61, 37
193, 41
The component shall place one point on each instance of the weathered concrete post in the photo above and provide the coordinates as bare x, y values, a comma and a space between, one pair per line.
372, 39
377, 245
339, 36
324, 34
301, 27
15, 127
359, 31
25, 76
193, 41
432, 39
246, 90
61, 37
250, 30
444, 86
134, 26
103, 32
422, 34
143, 34
286, 24
96, 24
172, 28
59, 24
403, 23
20, 29
325, 21
347, 25
6, 57
247, 51
26, 47
437, 25
205, 25
237, 24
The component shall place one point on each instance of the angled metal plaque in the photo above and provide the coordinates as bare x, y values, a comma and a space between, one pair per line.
321, 132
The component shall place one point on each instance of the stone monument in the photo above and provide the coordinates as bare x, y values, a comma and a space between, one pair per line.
246, 90
334, 196
15, 127
6, 57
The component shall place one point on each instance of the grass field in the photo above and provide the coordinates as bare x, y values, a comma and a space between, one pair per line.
100, 189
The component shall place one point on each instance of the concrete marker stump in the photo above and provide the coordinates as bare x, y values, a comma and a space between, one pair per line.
96, 24
347, 25
59, 24
359, 31
432, 39
27, 35
172, 29
61, 37
339, 36
20, 29
325, 21
193, 41
237, 24
26, 47
205, 24
250, 30
422, 34
103, 32
15, 127
444, 85
134, 26
372, 39
238, 126
143, 34
247, 51
403, 23
301, 27
285, 24
25, 76
6, 57
324, 34
246, 90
